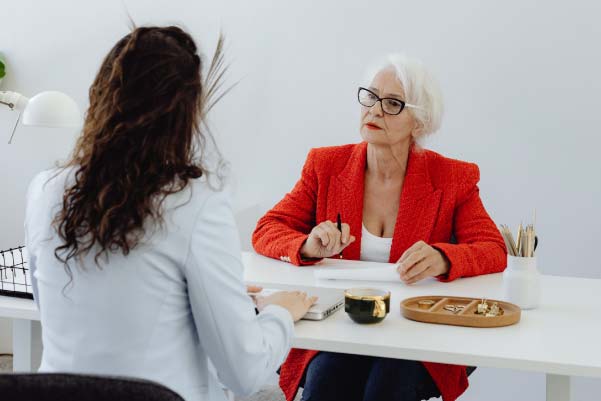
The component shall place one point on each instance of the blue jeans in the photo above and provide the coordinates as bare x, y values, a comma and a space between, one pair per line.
332, 376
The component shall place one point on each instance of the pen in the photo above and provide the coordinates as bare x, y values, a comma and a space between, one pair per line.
339, 226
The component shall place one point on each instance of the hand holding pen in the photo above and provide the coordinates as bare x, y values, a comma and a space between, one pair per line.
327, 239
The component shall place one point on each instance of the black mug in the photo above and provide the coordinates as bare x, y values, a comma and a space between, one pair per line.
366, 305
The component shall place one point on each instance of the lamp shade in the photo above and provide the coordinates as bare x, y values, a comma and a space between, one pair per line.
52, 109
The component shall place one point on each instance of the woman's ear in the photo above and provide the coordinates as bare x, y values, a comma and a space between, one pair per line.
418, 130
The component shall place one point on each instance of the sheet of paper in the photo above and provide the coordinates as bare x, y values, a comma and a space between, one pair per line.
357, 270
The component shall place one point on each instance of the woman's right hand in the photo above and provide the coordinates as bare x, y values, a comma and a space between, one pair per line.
296, 302
325, 240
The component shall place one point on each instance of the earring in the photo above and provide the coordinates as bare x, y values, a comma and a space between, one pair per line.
482, 307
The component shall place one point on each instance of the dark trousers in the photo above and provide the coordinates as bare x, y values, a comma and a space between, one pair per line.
332, 376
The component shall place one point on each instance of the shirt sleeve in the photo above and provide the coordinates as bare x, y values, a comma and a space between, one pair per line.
31, 237
245, 348
480, 249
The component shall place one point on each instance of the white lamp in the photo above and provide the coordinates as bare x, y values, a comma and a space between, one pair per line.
46, 109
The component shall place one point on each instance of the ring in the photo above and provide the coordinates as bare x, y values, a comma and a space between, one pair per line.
425, 303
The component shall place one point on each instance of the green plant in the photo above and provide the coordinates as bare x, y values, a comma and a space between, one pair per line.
2, 71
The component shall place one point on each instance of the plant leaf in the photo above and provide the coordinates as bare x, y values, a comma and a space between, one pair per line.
214, 78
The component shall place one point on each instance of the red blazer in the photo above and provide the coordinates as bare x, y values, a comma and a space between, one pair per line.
439, 200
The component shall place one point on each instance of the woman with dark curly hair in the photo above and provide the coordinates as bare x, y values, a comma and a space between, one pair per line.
135, 256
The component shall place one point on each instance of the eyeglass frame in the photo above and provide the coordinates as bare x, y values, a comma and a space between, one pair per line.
379, 99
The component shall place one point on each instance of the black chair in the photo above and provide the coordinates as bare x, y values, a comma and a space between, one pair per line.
74, 387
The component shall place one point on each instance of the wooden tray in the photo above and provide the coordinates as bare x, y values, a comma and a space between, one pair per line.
465, 316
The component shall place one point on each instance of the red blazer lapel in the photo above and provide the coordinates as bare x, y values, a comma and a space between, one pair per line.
347, 190
418, 208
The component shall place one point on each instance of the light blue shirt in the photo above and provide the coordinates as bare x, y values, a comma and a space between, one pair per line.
173, 311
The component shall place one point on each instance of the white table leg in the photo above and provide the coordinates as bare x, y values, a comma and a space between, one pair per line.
27, 345
558, 387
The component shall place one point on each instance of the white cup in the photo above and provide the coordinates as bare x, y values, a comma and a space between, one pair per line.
521, 282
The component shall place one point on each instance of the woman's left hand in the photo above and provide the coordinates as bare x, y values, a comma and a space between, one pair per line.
253, 291
421, 261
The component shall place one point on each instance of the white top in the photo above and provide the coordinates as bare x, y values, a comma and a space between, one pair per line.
167, 311
374, 248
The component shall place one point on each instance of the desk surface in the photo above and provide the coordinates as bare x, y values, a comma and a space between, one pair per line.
561, 337
18, 308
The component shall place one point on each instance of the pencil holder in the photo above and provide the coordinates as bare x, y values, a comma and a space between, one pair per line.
521, 282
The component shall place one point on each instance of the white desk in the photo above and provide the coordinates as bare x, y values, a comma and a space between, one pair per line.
560, 338
27, 341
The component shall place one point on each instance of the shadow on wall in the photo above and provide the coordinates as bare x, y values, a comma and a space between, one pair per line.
246, 220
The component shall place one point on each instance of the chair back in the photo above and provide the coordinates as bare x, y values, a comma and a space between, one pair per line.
75, 387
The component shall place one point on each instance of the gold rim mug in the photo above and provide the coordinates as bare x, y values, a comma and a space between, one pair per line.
380, 298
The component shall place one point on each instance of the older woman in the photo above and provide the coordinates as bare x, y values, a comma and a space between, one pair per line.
400, 204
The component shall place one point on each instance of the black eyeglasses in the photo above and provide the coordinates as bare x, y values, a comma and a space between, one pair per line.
390, 105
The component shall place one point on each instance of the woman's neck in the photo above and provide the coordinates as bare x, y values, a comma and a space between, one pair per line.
387, 163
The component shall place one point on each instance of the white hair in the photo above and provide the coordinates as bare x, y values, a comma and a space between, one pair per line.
420, 89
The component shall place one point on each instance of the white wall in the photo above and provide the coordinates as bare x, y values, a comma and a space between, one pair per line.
520, 78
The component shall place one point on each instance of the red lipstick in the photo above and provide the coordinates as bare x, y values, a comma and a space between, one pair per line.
372, 126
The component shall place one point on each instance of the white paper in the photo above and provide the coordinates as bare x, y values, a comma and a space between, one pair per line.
356, 270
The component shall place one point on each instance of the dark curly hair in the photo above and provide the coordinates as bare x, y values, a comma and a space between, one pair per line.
141, 140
